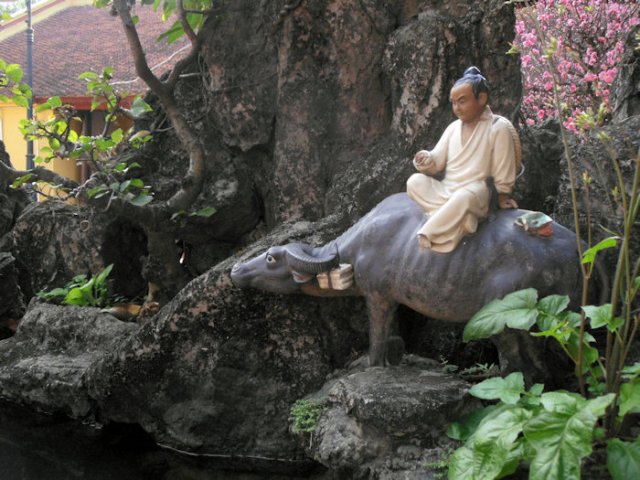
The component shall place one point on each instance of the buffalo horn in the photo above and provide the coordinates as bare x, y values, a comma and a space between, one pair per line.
300, 258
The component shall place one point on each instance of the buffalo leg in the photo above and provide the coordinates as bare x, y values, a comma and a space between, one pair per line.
381, 316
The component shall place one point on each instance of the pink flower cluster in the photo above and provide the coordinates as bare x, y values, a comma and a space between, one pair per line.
584, 40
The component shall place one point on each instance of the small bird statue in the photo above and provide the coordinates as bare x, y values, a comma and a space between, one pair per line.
535, 223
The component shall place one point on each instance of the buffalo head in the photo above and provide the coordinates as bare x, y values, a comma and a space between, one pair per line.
284, 268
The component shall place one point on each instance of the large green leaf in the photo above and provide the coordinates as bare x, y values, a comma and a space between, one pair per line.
599, 315
553, 304
488, 460
561, 438
461, 464
516, 310
507, 389
494, 441
630, 397
467, 425
563, 402
623, 459
502, 428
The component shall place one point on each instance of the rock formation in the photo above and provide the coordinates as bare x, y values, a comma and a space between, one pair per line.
311, 111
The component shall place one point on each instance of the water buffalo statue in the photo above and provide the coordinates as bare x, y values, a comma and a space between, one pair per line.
390, 267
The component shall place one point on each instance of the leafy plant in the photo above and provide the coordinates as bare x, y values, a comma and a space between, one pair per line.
80, 291
305, 414
104, 152
552, 432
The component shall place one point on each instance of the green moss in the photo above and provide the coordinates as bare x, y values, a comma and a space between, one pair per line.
305, 414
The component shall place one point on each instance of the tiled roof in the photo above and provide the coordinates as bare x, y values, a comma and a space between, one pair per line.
83, 38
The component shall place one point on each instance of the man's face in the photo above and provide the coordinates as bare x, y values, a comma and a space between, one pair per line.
465, 105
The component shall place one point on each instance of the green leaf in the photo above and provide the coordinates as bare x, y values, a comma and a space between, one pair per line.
631, 371
137, 183
553, 304
516, 310
562, 402
623, 459
502, 427
117, 135
20, 101
507, 389
599, 316
589, 256
629, 397
124, 185
102, 276
14, 72
55, 102
461, 465
173, 34
561, 438
488, 460
139, 107
141, 200
42, 107
467, 425
589, 353
18, 182
204, 212
75, 297
3, 98
92, 192
88, 76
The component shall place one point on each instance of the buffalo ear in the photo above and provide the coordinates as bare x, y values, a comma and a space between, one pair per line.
299, 277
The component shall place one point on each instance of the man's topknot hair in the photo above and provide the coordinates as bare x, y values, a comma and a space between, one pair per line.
478, 83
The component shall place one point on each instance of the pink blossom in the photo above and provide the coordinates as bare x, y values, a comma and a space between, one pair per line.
608, 76
590, 40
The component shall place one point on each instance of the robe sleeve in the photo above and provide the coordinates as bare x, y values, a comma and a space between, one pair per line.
503, 160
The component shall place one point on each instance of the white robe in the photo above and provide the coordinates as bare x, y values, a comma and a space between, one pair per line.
461, 198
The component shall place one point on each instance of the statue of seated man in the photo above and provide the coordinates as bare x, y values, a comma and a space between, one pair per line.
476, 146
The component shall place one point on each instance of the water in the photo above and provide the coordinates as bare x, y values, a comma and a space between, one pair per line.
39, 447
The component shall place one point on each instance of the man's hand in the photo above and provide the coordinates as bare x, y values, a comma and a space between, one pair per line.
505, 201
422, 158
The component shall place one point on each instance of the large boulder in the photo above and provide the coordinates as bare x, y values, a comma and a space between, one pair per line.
386, 422
217, 369
44, 364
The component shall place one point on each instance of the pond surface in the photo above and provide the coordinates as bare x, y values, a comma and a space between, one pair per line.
39, 447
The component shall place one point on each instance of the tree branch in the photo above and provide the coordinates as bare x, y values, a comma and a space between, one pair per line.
142, 67
8, 175
191, 35
194, 178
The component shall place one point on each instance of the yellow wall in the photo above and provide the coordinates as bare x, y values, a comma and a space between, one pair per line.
10, 116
